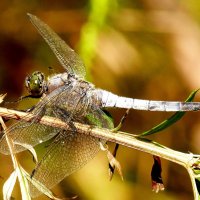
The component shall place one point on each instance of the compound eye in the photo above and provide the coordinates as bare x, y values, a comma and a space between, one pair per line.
35, 84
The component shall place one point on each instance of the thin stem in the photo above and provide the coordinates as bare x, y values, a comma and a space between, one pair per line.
194, 187
16, 166
10, 145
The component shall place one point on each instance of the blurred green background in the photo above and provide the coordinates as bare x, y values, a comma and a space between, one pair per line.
147, 49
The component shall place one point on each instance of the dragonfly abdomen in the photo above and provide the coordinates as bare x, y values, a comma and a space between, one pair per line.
111, 100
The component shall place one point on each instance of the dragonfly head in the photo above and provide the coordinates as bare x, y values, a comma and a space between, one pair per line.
35, 84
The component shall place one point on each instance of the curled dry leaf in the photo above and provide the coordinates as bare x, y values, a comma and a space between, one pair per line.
156, 178
113, 162
9, 185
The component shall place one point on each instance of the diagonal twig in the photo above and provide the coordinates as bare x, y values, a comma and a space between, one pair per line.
122, 138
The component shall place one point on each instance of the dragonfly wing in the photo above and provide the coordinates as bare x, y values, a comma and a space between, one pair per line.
25, 135
28, 134
66, 56
69, 152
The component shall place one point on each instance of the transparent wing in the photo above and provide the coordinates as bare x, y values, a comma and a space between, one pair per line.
25, 136
66, 56
69, 152
28, 134
67, 102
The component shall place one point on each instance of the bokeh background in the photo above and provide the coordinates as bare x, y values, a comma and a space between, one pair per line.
147, 49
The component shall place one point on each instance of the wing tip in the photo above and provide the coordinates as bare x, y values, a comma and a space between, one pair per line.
32, 17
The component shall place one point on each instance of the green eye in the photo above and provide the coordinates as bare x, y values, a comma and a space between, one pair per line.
36, 84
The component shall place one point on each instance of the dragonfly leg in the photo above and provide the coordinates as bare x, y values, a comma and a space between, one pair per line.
61, 113
65, 116
36, 118
21, 99
39, 114
30, 109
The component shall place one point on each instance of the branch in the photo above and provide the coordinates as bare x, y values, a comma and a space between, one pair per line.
119, 137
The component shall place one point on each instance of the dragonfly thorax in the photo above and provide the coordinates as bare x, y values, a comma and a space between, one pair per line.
59, 80
35, 84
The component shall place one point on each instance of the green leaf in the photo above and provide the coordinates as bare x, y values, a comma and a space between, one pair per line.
170, 121
23, 182
106, 118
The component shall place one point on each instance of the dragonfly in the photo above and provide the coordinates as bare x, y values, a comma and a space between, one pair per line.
69, 97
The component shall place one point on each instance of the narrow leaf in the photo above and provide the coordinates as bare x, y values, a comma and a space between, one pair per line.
9, 186
197, 181
29, 148
24, 187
